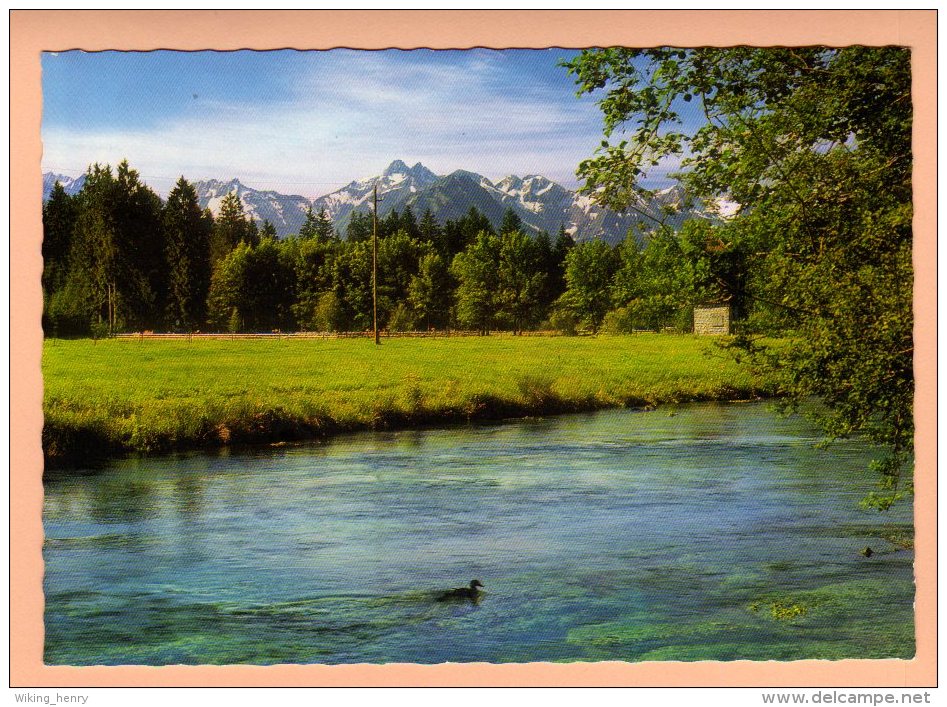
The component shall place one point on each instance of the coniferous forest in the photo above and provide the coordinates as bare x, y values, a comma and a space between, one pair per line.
118, 258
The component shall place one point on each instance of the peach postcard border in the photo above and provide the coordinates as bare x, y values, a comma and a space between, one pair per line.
32, 32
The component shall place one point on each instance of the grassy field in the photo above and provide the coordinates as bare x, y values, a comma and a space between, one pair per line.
115, 396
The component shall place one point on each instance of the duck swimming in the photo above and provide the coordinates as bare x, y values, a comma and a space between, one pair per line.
471, 592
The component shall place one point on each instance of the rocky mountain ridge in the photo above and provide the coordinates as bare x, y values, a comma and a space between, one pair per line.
541, 204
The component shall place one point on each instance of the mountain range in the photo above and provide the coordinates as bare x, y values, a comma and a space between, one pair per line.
72, 185
541, 204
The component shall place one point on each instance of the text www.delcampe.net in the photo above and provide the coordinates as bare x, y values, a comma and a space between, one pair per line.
837, 697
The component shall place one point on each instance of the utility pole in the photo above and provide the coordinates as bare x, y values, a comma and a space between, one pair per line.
375, 267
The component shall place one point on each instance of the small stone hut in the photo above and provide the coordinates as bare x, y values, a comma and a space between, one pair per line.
712, 319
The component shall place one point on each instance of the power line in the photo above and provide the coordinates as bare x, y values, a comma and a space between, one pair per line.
276, 180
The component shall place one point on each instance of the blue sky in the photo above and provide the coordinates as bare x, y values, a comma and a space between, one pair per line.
310, 122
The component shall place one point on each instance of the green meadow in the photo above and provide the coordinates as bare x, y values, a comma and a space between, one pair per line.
124, 395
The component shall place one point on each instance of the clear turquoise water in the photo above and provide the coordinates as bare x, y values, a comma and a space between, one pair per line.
618, 535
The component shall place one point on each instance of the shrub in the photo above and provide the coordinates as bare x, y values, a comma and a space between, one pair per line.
564, 321
328, 314
401, 319
619, 321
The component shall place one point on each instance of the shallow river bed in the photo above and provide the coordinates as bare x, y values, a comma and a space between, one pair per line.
690, 533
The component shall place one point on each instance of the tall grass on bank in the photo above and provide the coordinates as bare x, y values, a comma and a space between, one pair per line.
115, 396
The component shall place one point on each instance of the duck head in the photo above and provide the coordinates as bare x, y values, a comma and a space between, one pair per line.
474, 583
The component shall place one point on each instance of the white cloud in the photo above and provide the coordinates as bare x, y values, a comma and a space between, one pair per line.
346, 117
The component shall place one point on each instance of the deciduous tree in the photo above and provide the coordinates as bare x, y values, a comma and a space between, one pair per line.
814, 144
589, 270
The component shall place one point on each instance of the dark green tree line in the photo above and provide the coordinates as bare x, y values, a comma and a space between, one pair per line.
119, 259
460, 274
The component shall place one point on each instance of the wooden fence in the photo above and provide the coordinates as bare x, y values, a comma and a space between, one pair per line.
142, 335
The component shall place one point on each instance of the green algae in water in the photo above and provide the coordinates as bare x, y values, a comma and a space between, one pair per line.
612, 536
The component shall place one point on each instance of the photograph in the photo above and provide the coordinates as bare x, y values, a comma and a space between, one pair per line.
564, 353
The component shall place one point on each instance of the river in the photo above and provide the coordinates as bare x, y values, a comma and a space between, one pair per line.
706, 531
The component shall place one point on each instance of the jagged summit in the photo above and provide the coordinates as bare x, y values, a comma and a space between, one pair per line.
541, 204
466, 174
287, 212
71, 185
418, 171
227, 186
395, 167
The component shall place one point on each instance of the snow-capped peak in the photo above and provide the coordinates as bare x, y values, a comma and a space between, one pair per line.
71, 185
725, 208
510, 180
396, 167
542, 204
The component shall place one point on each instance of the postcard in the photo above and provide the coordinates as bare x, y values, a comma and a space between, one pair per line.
595, 347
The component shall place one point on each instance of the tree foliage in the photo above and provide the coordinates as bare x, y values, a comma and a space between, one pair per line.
187, 232
231, 228
252, 289
814, 145
59, 220
312, 259
476, 269
116, 261
511, 221
59, 217
430, 292
589, 269
521, 280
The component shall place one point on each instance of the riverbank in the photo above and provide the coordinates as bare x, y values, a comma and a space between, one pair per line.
117, 396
